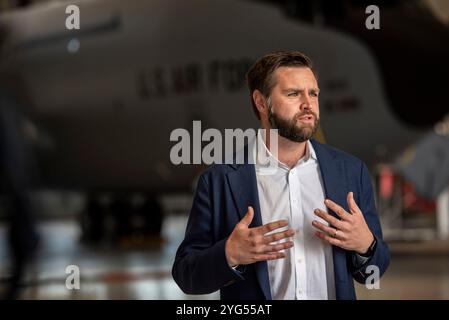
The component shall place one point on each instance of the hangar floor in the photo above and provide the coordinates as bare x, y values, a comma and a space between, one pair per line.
417, 270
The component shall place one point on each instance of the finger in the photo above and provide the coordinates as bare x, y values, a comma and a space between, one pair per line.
323, 227
334, 233
331, 240
278, 236
330, 219
272, 226
337, 209
271, 256
352, 205
248, 217
276, 247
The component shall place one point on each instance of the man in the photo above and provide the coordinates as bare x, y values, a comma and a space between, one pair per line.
304, 231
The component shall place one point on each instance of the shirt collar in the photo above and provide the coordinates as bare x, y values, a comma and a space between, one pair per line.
264, 155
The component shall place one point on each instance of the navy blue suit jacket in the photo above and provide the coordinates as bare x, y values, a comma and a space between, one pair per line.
223, 195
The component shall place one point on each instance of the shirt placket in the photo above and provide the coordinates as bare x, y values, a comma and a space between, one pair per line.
297, 222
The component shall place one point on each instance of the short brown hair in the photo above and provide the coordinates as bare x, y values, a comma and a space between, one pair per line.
259, 76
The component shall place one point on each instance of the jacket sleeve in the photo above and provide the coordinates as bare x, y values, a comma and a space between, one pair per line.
200, 265
381, 255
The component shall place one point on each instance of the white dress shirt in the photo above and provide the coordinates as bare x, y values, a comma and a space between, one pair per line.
307, 271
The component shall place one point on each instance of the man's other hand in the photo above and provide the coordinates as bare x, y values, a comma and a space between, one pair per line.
248, 245
350, 232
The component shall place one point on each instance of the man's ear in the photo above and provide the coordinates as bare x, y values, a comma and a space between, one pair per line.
260, 102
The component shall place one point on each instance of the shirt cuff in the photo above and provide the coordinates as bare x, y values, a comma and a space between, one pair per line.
359, 260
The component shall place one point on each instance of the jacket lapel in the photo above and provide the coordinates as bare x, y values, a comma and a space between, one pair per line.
334, 180
333, 175
243, 185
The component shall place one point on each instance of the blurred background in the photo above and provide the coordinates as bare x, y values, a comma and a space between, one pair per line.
86, 116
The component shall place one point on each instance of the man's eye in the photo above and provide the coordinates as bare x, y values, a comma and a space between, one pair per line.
292, 94
314, 94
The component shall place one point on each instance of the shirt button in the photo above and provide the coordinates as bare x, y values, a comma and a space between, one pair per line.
299, 260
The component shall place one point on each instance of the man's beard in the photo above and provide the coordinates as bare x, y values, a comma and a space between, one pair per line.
289, 129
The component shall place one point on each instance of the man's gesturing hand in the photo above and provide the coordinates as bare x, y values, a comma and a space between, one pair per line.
248, 245
350, 233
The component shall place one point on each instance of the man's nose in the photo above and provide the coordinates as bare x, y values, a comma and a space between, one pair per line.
305, 103
305, 106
